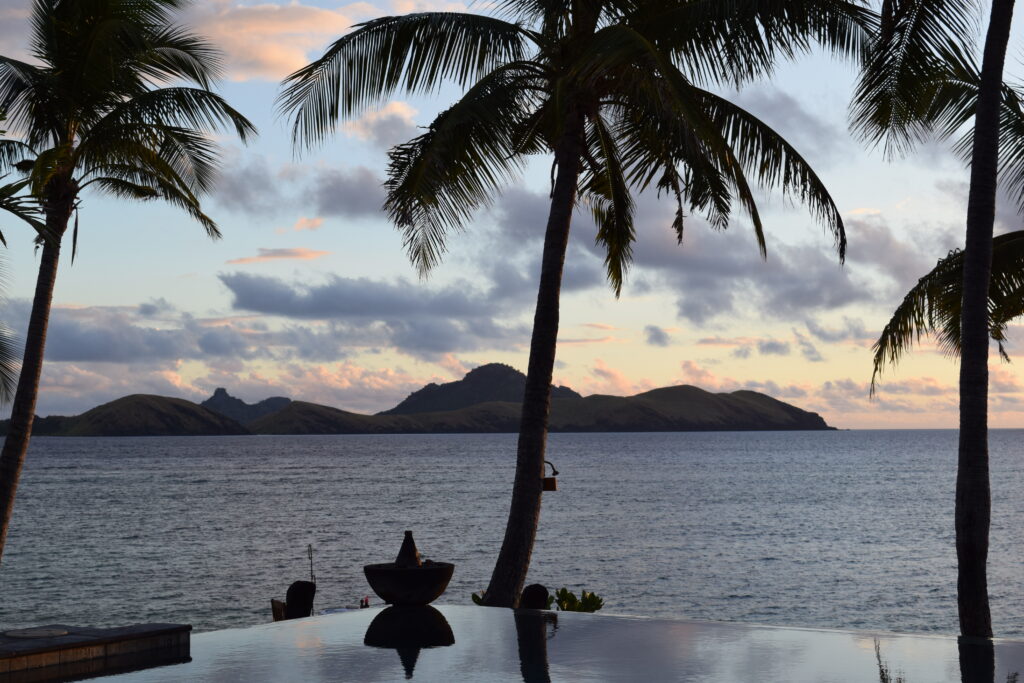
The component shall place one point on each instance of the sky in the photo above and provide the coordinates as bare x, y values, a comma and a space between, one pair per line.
310, 295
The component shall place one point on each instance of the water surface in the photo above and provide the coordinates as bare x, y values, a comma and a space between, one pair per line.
849, 529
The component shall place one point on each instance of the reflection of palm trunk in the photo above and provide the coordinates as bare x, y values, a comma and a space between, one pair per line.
532, 637
977, 660
973, 496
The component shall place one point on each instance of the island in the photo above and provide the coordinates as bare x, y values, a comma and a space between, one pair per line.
486, 400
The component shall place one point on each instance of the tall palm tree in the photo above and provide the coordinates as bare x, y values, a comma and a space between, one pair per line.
618, 92
95, 110
911, 88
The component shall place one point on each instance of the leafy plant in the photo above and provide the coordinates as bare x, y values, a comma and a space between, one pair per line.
563, 599
566, 601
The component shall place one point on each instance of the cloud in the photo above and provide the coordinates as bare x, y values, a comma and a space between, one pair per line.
816, 139
424, 322
251, 185
294, 254
456, 367
71, 388
351, 386
656, 336
694, 374
268, 41
875, 246
719, 274
350, 193
156, 307
852, 329
1002, 381
247, 185
772, 347
807, 348
307, 224
14, 29
607, 380
385, 127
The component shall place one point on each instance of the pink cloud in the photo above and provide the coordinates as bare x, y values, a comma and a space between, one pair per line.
701, 377
1002, 381
583, 341
297, 254
393, 123
453, 365
307, 224
726, 341
349, 386
271, 40
608, 380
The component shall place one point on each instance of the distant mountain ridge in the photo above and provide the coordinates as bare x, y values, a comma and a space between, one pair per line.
494, 382
240, 411
482, 405
138, 415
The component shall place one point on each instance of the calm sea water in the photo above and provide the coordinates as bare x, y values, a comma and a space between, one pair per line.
833, 529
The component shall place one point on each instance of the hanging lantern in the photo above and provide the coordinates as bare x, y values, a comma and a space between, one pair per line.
550, 483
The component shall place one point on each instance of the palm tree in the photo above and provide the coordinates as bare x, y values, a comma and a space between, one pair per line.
911, 87
618, 92
95, 110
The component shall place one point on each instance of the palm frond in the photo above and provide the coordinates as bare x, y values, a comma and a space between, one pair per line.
774, 163
18, 81
413, 53
1011, 145
933, 305
12, 153
177, 107
736, 41
605, 187
146, 174
25, 207
173, 53
437, 180
896, 89
9, 350
664, 122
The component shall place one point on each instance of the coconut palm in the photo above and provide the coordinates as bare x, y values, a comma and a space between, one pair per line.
620, 94
118, 100
909, 90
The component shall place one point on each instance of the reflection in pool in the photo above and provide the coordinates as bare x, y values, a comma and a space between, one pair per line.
409, 630
469, 643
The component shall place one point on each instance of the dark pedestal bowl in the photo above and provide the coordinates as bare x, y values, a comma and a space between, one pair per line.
409, 585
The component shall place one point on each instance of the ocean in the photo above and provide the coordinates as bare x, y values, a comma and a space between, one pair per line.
837, 529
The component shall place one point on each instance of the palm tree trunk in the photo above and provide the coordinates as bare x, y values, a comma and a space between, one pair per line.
12, 457
973, 495
524, 514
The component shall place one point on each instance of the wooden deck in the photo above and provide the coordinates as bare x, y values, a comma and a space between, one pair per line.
56, 652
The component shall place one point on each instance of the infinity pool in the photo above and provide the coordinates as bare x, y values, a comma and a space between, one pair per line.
469, 643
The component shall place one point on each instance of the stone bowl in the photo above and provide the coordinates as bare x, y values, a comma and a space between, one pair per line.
409, 585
